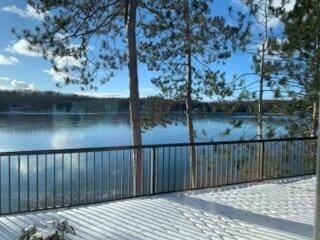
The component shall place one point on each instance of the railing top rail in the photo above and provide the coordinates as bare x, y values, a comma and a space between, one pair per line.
130, 147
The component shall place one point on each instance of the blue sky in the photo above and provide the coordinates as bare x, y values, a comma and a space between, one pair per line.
22, 69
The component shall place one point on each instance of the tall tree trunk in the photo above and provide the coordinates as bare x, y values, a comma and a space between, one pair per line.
193, 163
260, 100
262, 72
314, 119
134, 96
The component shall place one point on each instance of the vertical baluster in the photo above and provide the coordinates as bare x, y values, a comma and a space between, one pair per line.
129, 172
245, 155
79, 185
37, 174
169, 169
208, 170
101, 174
46, 181
181, 175
62, 178
256, 157
0, 185
109, 175
218, 173
281, 159
299, 157
274, 159
185, 182
71, 178
242, 162
302, 158
198, 170
251, 174
152, 172
211, 166
221, 164
257, 161
86, 177
204, 157
122, 175
9, 181
226, 160
155, 170
115, 175
19, 188
28, 181
94, 176
236, 163
284, 158
54, 179
174, 169
163, 170
231, 163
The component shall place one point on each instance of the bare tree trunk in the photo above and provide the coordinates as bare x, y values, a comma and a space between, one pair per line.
134, 96
260, 100
193, 163
262, 72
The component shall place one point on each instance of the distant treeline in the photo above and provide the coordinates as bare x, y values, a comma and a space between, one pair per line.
46, 102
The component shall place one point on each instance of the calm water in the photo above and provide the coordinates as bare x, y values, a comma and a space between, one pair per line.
30, 132
36, 181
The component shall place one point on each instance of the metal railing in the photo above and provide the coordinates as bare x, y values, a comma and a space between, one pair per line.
35, 180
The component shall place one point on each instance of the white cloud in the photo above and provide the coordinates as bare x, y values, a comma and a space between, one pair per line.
4, 79
67, 61
28, 12
287, 7
273, 21
21, 85
23, 47
11, 84
144, 92
102, 94
8, 60
62, 62
57, 76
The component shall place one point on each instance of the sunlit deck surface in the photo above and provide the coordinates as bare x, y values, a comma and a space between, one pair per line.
278, 209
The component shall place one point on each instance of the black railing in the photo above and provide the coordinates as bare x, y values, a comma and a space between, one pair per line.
35, 180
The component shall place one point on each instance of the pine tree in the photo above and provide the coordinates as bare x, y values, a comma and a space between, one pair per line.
301, 70
65, 37
183, 40
264, 77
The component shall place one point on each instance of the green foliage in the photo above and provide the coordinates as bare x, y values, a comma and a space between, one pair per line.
299, 68
66, 34
211, 41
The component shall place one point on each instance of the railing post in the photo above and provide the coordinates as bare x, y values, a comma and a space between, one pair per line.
152, 170
262, 160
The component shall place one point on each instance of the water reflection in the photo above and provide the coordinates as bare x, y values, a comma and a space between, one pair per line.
28, 132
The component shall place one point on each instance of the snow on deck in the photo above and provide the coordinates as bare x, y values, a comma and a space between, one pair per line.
279, 209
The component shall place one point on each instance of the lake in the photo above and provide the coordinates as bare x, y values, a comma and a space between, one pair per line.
37, 181
42, 131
